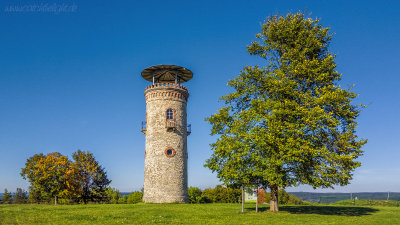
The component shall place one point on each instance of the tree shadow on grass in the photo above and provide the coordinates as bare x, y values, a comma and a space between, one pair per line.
329, 210
325, 210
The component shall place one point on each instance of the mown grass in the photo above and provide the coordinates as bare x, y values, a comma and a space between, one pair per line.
363, 202
194, 214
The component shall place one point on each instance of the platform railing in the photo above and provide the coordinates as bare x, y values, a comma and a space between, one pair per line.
171, 85
189, 129
144, 127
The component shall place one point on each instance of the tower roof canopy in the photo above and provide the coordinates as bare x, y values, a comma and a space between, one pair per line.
167, 74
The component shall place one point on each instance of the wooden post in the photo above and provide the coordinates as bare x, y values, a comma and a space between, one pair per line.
257, 200
242, 199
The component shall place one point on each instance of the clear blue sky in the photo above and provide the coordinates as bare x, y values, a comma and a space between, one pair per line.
71, 80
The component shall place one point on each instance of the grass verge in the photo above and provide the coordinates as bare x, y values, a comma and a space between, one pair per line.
194, 214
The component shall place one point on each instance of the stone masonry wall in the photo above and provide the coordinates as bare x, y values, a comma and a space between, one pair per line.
165, 176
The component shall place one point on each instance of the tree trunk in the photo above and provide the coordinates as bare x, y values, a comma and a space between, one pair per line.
257, 200
242, 199
273, 205
55, 200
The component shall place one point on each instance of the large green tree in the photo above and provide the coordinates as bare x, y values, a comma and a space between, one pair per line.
287, 122
90, 177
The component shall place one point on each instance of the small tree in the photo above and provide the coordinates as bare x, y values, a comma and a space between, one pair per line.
7, 197
20, 196
220, 194
262, 196
289, 122
113, 195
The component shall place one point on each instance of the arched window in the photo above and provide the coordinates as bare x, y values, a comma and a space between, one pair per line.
170, 114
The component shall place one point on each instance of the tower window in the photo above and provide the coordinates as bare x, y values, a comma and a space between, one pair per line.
170, 114
169, 152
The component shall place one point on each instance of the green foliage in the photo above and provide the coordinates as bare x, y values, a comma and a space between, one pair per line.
20, 196
288, 122
37, 196
220, 194
123, 199
7, 197
90, 178
135, 197
113, 195
194, 194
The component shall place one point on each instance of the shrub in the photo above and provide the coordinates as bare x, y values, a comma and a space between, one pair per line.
123, 199
283, 198
220, 194
194, 194
113, 195
135, 197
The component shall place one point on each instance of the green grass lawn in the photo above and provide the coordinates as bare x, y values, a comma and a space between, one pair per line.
369, 203
195, 214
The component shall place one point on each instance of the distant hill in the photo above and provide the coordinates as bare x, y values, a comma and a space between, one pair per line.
327, 198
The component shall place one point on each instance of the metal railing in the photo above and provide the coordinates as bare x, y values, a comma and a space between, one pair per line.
170, 124
144, 127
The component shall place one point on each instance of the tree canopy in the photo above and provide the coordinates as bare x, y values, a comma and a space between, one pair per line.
287, 122
91, 179
55, 176
50, 174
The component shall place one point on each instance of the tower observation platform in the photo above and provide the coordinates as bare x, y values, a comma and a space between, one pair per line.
167, 74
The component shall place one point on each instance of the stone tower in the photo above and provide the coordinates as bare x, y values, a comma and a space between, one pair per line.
166, 130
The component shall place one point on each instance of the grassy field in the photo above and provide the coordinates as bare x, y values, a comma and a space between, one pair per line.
369, 203
328, 198
195, 214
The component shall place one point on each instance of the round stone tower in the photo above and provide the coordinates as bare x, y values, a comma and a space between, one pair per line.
166, 130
